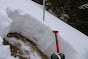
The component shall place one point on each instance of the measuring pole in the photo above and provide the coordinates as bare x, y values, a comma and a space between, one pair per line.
43, 10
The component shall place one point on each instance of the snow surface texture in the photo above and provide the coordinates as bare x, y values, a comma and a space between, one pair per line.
72, 42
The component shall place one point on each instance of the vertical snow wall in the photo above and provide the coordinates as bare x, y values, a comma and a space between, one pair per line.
40, 34
5, 24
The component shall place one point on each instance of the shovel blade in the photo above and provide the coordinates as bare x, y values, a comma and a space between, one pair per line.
55, 32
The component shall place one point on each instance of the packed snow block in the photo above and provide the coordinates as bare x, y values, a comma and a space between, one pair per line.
5, 24
34, 30
44, 38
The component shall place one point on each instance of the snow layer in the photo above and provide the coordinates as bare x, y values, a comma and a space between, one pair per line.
72, 42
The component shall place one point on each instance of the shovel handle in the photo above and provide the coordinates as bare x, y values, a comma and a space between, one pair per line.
57, 45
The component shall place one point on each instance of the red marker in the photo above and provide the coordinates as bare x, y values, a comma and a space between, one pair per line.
57, 45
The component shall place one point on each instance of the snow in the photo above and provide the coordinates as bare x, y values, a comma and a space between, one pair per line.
64, 17
14, 41
5, 23
83, 6
5, 51
34, 55
34, 30
24, 47
30, 24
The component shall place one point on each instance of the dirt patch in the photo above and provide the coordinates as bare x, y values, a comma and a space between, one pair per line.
16, 50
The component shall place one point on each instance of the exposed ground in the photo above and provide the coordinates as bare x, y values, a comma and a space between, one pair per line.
16, 49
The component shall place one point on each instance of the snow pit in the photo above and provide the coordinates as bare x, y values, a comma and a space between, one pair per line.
72, 42
39, 33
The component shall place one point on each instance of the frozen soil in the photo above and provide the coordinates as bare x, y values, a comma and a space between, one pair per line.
18, 51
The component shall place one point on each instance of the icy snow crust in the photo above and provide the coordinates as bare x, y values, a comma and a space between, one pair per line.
72, 42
